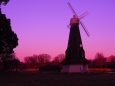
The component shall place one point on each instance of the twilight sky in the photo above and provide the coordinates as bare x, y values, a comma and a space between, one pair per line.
41, 26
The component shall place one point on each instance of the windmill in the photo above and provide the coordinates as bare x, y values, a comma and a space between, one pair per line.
81, 16
75, 60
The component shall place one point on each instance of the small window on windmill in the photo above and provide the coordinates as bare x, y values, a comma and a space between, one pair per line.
81, 45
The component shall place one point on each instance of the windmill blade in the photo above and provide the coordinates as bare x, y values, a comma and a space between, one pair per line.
79, 21
83, 15
72, 9
82, 24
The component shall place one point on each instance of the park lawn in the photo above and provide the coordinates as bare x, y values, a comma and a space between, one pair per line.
56, 79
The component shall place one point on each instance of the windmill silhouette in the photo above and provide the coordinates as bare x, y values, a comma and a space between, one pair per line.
75, 54
80, 17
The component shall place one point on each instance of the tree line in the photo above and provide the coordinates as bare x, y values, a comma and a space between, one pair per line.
46, 62
100, 61
41, 61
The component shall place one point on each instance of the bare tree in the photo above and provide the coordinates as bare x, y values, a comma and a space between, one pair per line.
44, 58
99, 60
59, 58
31, 61
111, 58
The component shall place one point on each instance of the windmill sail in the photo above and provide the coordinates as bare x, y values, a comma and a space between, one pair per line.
72, 9
80, 20
83, 15
82, 24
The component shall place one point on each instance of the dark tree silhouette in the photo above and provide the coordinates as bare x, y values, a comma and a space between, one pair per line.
59, 58
31, 61
9, 61
44, 58
111, 59
4, 2
99, 60
8, 39
14, 64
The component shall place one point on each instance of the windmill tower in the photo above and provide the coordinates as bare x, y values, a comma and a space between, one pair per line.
75, 60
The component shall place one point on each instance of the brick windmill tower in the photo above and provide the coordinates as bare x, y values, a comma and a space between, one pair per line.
75, 60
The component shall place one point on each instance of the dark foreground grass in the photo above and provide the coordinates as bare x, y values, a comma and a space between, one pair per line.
53, 79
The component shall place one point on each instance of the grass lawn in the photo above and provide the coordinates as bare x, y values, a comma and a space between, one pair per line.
53, 79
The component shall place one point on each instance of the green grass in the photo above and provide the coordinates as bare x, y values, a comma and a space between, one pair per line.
53, 79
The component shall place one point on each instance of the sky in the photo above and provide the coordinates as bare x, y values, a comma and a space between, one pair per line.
41, 26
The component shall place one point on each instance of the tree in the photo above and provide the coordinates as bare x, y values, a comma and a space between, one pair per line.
111, 61
44, 58
31, 61
14, 64
99, 60
8, 39
111, 58
4, 2
9, 61
59, 58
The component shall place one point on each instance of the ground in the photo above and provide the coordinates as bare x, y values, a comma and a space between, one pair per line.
56, 79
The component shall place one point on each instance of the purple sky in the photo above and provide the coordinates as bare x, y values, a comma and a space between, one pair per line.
41, 26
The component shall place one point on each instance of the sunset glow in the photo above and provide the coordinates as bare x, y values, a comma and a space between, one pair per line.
41, 26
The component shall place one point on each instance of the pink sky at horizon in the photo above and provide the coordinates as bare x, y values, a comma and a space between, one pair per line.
41, 26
